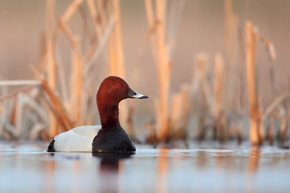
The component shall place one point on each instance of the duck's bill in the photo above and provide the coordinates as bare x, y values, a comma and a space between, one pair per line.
139, 96
135, 95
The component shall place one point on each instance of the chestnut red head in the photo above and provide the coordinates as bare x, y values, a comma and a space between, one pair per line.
114, 89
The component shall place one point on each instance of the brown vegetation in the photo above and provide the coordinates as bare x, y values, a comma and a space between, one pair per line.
62, 95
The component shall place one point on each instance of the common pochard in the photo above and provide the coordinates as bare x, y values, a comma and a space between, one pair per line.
107, 137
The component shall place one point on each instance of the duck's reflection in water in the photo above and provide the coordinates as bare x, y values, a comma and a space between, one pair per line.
109, 169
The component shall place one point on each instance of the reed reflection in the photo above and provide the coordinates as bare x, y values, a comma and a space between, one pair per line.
49, 168
254, 159
162, 170
201, 160
110, 168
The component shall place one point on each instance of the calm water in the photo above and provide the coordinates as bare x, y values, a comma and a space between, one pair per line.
25, 167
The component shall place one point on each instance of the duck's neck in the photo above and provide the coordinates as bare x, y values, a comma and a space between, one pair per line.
109, 115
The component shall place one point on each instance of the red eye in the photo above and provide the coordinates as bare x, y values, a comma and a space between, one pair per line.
119, 84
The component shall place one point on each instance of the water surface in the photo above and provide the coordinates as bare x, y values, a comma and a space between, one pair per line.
26, 167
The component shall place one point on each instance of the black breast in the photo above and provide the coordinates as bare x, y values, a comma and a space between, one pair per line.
113, 140
50, 148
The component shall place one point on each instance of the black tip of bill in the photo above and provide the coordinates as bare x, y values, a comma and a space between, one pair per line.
144, 97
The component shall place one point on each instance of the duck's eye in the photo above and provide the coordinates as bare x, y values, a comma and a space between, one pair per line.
119, 84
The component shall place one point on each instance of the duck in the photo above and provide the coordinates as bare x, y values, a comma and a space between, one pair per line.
108, 137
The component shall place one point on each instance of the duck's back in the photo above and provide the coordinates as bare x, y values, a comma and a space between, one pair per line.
76, 139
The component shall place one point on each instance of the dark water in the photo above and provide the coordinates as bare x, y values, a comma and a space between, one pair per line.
25, 167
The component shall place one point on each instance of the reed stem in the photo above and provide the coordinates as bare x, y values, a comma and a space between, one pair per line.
256, 119
51, 64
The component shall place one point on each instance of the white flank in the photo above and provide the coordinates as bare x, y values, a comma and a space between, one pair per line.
76, 139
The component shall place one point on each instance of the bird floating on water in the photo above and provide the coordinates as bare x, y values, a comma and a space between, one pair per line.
107, 137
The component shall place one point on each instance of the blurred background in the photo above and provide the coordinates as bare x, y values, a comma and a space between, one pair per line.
195, 31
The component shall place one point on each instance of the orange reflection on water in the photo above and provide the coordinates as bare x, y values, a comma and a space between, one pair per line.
254, 159
50, 168
162, 170
201, 162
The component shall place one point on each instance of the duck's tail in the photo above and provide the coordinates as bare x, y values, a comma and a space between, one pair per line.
50, 148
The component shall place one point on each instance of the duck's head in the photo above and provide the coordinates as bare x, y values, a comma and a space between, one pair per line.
114, 89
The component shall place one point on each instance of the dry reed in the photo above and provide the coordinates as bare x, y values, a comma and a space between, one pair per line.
218, 90
256, 119
201, 93
231, 21
210, 99
180, 111
162, 38
162, 64
81, 64
51, 63
21, 111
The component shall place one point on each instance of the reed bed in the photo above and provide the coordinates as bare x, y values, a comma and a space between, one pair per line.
69, 90
62, 94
